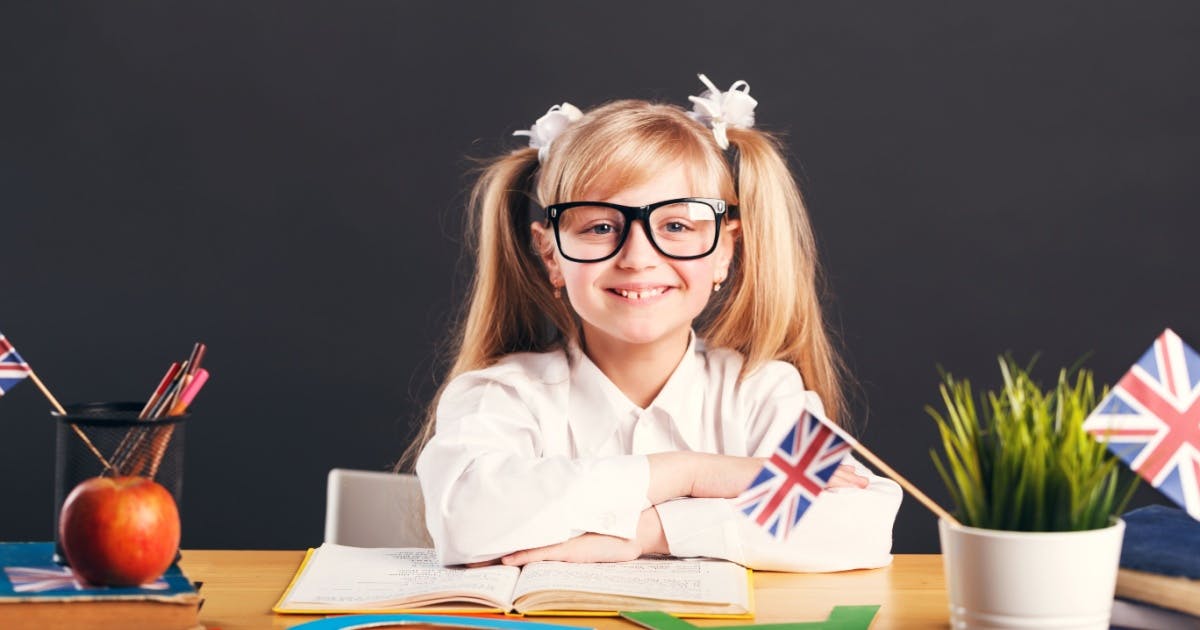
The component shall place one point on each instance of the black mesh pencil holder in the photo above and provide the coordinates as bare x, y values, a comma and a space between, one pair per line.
107, 439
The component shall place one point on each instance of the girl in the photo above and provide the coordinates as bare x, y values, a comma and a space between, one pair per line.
583, 418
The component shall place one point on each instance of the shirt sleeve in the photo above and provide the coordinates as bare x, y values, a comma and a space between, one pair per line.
488, 492
845, 528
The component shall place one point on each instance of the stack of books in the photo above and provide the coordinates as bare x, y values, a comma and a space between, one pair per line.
37, 594
1158, 585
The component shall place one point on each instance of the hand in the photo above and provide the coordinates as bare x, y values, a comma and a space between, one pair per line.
585, 548
845, 477
724, 476
599, 547
688, 474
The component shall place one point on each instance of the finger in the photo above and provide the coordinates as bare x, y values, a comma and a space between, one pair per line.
856, 480
518, 559
526, 556
845, 477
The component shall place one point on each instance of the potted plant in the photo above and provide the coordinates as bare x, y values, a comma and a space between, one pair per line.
1037, 499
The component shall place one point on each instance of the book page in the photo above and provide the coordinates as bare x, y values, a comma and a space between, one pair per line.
709, 581
340, 577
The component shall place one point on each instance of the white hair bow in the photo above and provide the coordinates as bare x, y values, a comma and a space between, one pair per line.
549, 126
718, 110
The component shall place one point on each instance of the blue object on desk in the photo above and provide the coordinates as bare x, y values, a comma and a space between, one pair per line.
352, 622
1162, 540
29, 573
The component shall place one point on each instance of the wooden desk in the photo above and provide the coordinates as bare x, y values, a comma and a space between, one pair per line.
241, 586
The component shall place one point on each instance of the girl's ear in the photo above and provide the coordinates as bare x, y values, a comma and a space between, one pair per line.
726, 247
543, 244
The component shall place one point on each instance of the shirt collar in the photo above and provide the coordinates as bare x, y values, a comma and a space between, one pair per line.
596, 404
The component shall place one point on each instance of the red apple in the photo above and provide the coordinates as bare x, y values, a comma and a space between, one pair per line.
119, 531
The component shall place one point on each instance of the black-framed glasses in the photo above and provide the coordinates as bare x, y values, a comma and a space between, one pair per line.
592, 231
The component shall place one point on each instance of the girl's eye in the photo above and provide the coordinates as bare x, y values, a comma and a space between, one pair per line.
600, 229
676, 227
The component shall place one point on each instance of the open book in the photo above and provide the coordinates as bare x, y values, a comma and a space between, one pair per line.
340, 579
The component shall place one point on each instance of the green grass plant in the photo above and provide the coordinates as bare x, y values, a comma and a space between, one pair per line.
1025, 463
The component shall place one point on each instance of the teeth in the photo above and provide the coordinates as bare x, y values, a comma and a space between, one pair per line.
639, 295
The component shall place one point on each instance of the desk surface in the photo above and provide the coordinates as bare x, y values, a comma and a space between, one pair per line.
241, 586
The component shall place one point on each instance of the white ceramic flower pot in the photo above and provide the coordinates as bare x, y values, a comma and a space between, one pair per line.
1003, 579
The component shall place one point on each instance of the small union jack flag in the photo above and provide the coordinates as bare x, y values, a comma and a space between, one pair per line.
45, 579
42, 579
795, 474
1151, 420
13, 369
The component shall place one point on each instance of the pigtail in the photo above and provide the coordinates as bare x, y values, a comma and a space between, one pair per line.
511, 298
773, 310
511, 307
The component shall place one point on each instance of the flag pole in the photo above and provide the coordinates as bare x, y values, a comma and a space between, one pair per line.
897, 477
62, 412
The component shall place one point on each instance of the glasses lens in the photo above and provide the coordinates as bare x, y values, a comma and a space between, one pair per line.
687, 228
590, 232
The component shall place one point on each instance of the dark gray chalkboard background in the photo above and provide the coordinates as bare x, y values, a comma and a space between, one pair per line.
284, 180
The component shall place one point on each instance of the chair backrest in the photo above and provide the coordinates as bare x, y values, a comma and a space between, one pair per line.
374, 509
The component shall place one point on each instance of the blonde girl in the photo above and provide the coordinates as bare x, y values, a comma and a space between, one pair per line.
629, 358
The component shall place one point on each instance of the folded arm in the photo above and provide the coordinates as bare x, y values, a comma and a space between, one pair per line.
845, 528
712, 476
849, 526
490, 491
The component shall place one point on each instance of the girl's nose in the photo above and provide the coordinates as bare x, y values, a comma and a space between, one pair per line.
637, 252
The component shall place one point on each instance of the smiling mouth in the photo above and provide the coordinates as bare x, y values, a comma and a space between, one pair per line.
640, 295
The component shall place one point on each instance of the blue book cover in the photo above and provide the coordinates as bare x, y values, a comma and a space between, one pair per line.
1162, 540
28, 573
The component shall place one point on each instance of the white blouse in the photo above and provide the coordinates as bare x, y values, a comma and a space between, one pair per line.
542, 447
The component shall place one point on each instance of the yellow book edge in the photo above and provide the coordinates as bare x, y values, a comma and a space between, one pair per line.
279, 609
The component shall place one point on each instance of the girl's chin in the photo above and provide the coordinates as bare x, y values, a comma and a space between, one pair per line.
636, 336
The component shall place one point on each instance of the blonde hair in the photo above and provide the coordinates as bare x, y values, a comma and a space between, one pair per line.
771, 308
